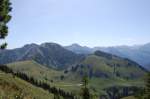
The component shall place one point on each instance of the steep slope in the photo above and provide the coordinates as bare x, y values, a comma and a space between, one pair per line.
104, 65
48, 54
105, 70
98, 66
36, 70
138, 53
15, 88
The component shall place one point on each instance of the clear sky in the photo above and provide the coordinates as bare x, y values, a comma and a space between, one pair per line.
87, 22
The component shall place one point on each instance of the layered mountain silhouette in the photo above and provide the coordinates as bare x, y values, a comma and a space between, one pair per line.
63, 68
48, 54
104, 65
138, 53
59, 57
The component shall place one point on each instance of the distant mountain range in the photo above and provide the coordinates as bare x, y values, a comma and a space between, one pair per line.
138, 53
104, 71
60, 57
63, 68
48, 54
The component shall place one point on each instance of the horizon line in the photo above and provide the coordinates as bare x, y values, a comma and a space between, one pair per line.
81, 45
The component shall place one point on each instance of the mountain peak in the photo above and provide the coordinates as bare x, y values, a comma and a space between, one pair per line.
32, 45
79, 49
50, 44
75, 45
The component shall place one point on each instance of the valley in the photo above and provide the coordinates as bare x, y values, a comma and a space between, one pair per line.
103, 70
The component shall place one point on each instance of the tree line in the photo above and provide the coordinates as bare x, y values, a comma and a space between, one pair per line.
118, 92
114, 92
145, 93
57, 92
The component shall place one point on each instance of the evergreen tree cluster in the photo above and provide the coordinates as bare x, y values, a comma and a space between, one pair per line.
85, 90
57, 92
147, 87
144, 93
118, 92
5, 9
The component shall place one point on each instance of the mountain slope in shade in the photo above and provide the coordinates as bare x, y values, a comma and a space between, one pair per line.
139, 54
99, 67
56, 56
48, 54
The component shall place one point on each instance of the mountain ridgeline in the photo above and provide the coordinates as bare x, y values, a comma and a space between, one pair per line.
54, 55
47, 54
64, 69
137, 53
104, 65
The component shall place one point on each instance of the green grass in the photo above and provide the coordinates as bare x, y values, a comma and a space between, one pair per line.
100, 84
36, 70
100, 64
72, 79
130, 97
11, 87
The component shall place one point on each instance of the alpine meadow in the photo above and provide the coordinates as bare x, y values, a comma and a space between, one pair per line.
74, 49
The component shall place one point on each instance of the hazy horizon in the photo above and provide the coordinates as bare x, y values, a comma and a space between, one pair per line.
86, 22
80, 45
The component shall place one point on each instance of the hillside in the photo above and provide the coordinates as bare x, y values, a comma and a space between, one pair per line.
56, 56
102, 68
36, 70
15, 88
48, 54
103, 65
138, 53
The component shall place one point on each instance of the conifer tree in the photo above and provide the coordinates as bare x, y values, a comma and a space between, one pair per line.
85, 91
147, 91
56, 96
5, 9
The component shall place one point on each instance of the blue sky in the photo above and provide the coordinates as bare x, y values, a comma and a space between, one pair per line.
87, 22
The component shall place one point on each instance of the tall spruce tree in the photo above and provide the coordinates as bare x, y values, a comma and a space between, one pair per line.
85, 91
5, 9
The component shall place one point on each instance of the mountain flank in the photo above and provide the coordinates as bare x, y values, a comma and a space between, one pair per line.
48, 54
137, 53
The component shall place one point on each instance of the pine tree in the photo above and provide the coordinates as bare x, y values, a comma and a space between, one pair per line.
85, 91
56, 96
147, 91
5, 9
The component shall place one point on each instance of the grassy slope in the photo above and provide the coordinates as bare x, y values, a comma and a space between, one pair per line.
101, 64
72, 80
130, 97
13, 87
42, 73
35, 70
